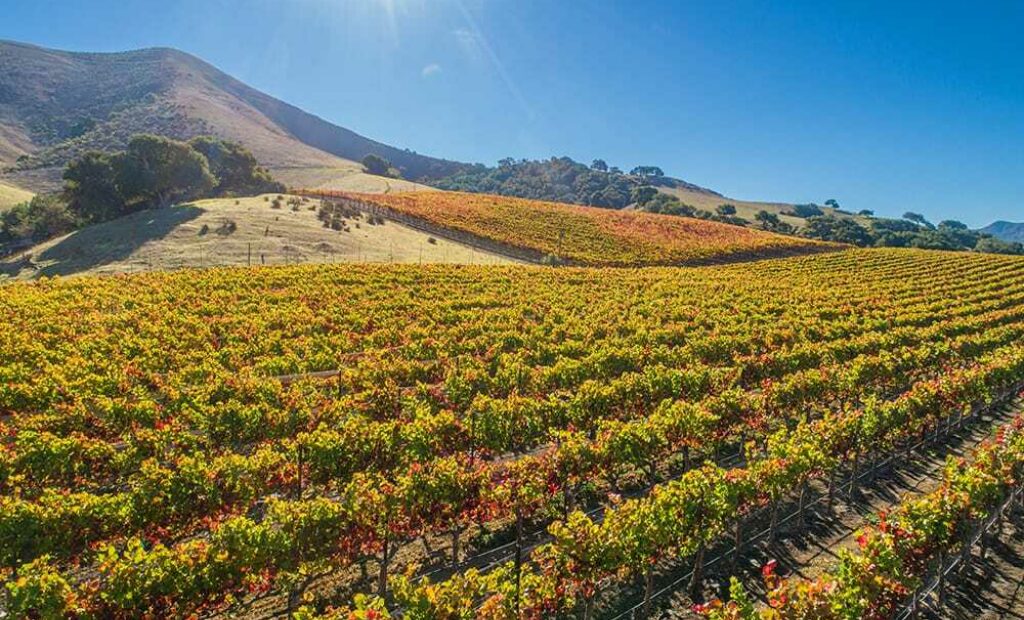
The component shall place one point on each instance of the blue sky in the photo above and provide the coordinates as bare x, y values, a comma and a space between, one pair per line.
881, 105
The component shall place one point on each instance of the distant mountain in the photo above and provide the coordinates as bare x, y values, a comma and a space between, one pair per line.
55, 105
1007, 231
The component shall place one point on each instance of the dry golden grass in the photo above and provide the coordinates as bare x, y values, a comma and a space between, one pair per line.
11, 195
197, 235
744, 208
348, 178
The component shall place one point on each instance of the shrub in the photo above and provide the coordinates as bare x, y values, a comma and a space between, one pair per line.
227, 227
805, 211
41, 218
375, 164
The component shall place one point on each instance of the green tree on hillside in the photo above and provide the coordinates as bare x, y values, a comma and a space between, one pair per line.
156, 172
235, 168
993, 245
642, 194
806, 210
375, 164
610, 197
647, 171
771, 222
599, 165
43, 217
725, 210
667, 204
843, 230
918, 219
152, 172
90, 187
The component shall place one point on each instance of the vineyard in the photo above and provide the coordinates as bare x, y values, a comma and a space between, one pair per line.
456, 442
583, 235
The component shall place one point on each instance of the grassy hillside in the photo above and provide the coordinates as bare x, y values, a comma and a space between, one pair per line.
345, 178
58, 104
588, 235
11, 195
745, 209
233, 232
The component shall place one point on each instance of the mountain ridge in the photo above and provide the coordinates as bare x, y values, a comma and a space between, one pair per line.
56, 104
1007, 231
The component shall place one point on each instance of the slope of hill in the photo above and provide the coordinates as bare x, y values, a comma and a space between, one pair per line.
55, 105
1007, 231
11, 195
745, 209
560, 179
584, 235
245, 231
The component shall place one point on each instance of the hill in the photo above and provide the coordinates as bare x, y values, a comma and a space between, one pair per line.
54, 105
11, 195
561, 179
584, 235
1007, 231
745, 209
223, 232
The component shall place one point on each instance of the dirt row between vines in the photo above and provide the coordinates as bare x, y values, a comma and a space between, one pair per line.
991, 588
811, 551
806, 553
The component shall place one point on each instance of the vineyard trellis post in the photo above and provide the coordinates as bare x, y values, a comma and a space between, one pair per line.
519, 558
697, 577
942, 577
382, 578
737, 544
832, 486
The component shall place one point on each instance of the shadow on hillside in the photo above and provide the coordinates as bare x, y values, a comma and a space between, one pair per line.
111, 242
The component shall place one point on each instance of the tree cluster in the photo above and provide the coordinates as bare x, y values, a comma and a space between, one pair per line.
375, 164
913, 231
667, 204
558, 179
152, 172
43, 217
156, 172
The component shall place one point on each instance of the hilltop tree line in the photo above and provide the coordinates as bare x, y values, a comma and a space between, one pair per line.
152, 172
558, 179
913, 230
562, 179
